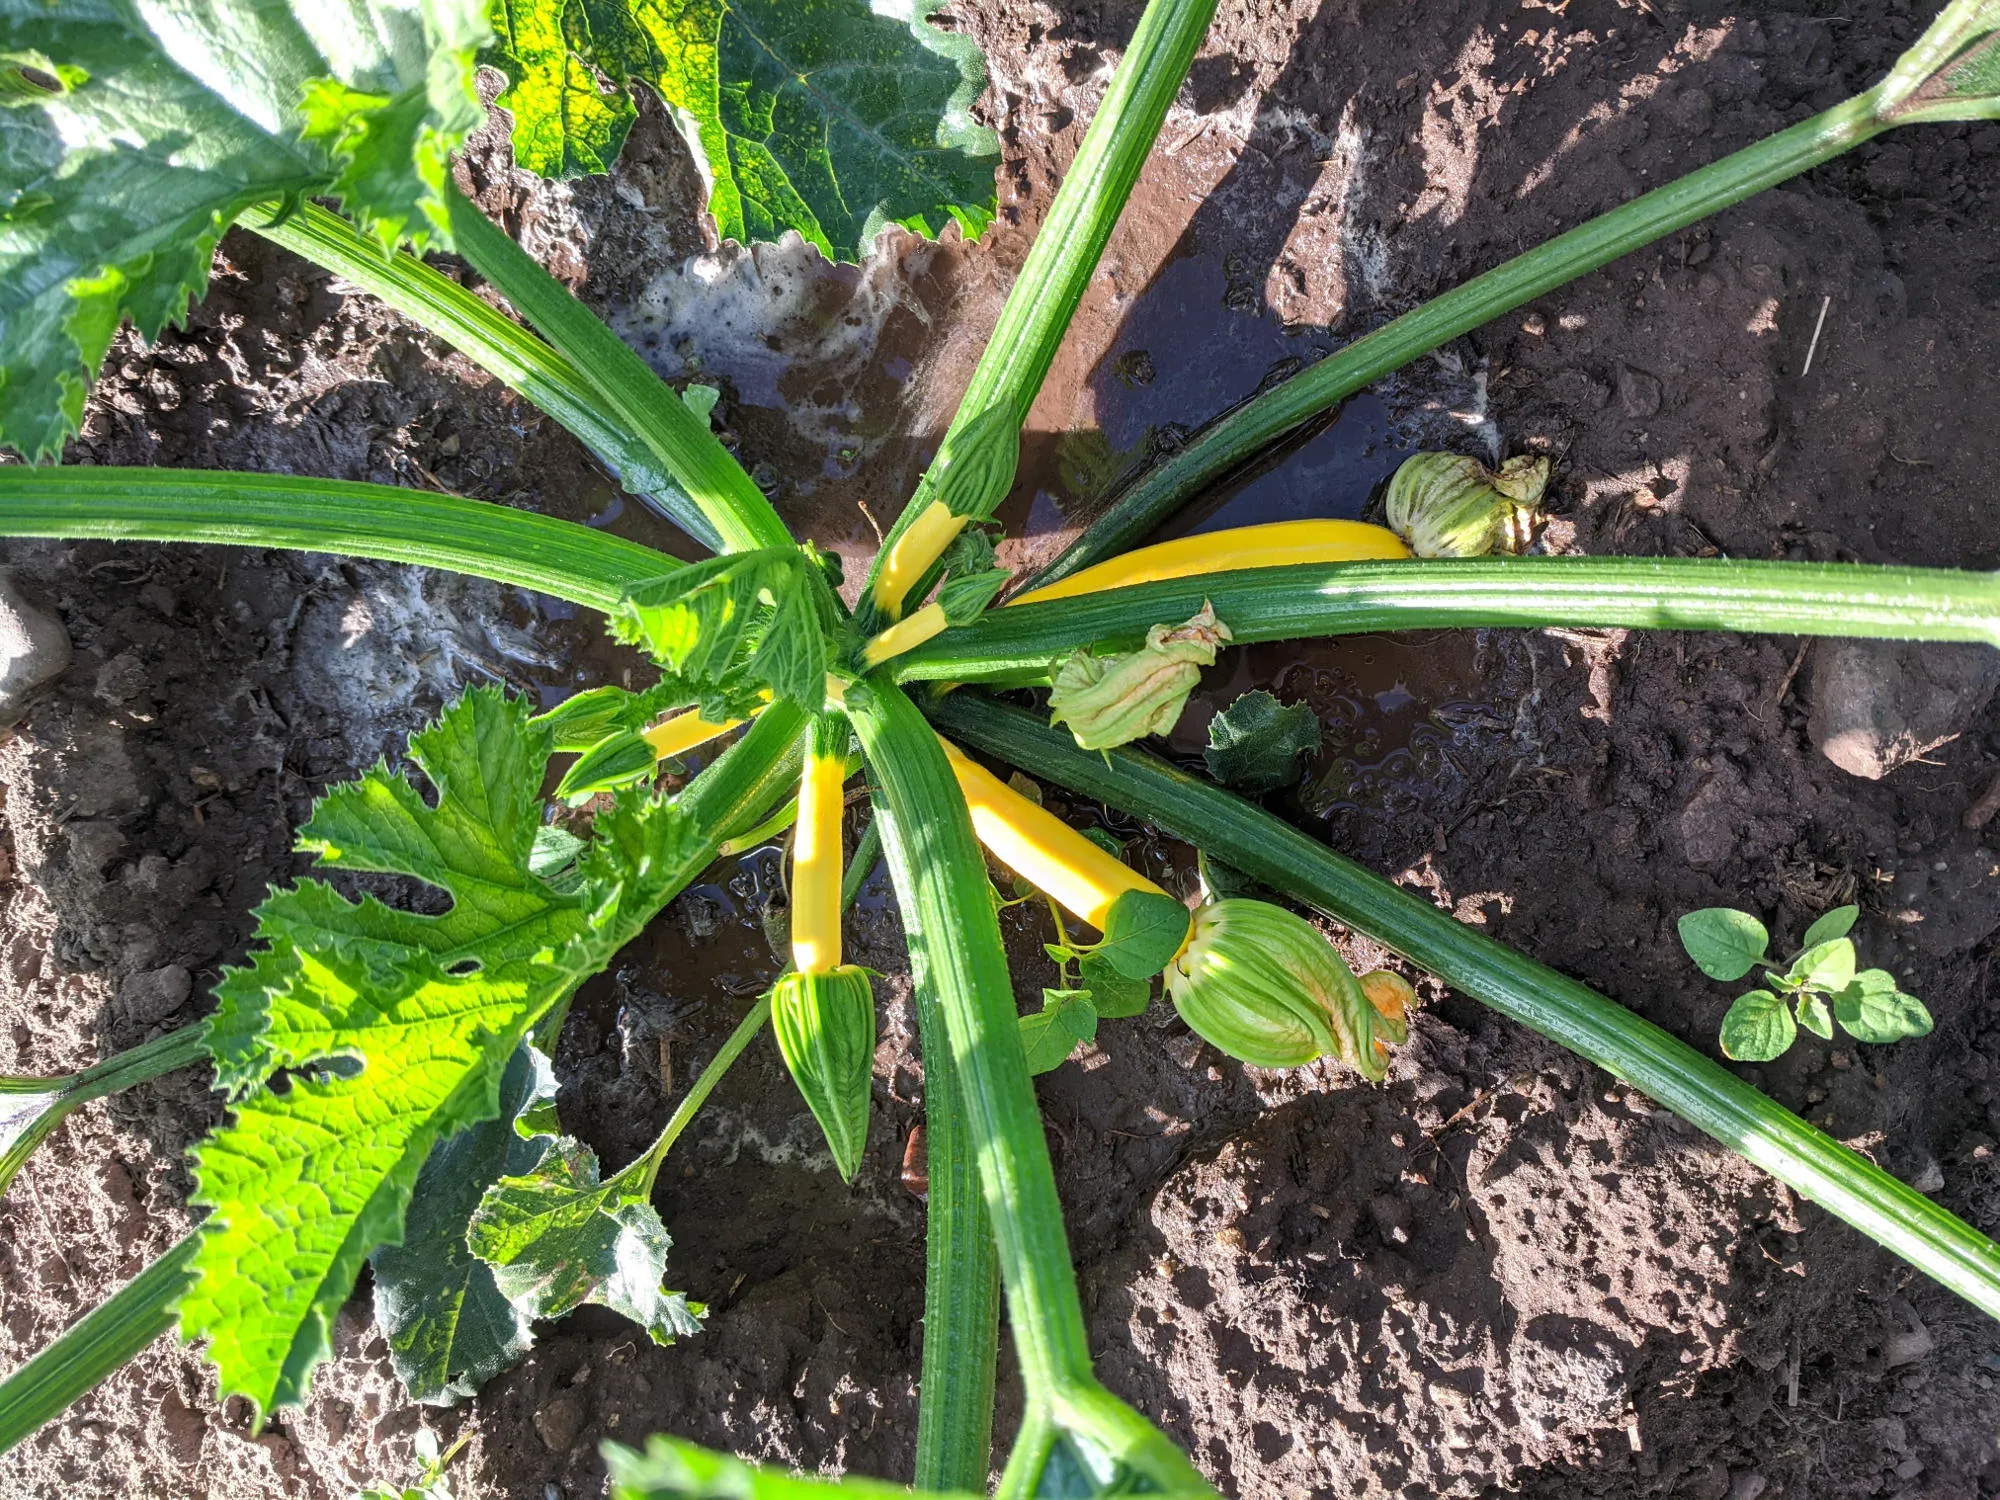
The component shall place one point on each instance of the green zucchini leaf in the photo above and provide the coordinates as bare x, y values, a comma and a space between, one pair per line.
831, 117
734, 628
449, 1327
131, 136
556, 1237
361, 1034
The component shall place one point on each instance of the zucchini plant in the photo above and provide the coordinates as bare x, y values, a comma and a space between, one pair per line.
389, 1094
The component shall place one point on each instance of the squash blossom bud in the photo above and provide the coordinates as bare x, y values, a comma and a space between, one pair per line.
1111, 700
825, 1026
1394, 998
1266, 987
1448, 505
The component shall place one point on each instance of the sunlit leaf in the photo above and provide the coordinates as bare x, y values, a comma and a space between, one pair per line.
830, 117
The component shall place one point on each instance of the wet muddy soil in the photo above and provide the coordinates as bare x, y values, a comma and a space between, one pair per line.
1502, 1272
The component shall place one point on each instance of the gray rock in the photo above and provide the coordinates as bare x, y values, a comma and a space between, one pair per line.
1877, 705
33, 648
560, 1423
1712, 822
148, 998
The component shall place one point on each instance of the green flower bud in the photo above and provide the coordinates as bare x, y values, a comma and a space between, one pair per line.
1111, 700
1448, 505
974, 467
825, 1026
1266, 987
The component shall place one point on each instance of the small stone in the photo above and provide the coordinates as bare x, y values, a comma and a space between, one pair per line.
560, 1423
1748, 1485
1638, 392
1878, 705
1907, 1346
1910, 1467
34, 647
1712, 822
1534, 325
148, 998
1931, 1178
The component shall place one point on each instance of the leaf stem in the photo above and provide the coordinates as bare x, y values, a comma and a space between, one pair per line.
1669, 1071
647, 1167
177, 1049
1158, 492
645, 404
517, 547
96, 1344
1020, 644
955, 950
1068, 245
497, 344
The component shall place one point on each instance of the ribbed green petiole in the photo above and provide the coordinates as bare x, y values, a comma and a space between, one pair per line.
1023, 643
558, 558
497, 344
64, 1096
955, 952
961, 1270
1158, 492
95, 1345
651, 409
1067, 247
1697, 1089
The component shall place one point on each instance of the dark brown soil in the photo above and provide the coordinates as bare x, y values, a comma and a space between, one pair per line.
1502, 1272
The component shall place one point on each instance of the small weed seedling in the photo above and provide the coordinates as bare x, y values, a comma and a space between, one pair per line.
1818, 986
431, 1464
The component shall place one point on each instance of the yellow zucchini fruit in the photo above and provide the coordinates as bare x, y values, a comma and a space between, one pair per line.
816, 864
912, 553
1276, 544
1041, 848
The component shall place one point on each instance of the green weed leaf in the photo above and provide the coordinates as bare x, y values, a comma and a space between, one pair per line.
1142, 933
1115, 995
1759, 1027
671, 1469
1258, 744
1814, 1015
1724, 943
1835, 924
831, 117
1066, 1020
130, 138
1872, 1009
449, 1327
556, 1237
1825, 966
732, 627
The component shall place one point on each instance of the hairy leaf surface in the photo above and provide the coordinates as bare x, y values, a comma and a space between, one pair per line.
361, 1034
1257, 744
734, 628
131, 135
449, 1326
831, 117
556, 1237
